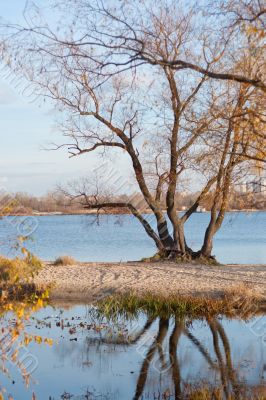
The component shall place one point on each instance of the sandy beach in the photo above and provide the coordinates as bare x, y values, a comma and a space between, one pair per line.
88, 282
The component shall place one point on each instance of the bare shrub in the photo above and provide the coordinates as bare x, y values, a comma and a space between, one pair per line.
65, 260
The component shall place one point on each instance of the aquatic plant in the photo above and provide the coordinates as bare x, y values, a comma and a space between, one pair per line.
241, 302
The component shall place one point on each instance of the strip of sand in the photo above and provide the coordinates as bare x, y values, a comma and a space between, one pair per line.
88, 282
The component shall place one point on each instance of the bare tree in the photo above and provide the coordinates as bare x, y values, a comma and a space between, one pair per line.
137, 80
133, 34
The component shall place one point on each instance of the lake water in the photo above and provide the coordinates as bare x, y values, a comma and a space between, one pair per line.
242, 238
92, 358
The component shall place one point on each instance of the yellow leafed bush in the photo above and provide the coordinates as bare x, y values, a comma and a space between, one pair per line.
18, 270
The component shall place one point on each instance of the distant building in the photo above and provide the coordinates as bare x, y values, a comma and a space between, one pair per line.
258, 185
242, 188
201, 209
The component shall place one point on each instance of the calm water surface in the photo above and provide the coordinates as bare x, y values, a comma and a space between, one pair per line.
242, 238
92, 358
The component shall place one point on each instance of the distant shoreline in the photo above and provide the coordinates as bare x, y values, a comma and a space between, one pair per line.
102, 212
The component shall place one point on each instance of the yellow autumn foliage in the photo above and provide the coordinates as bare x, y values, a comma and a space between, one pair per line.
27, 340
18, 270
49, 341
256, 31
38, 339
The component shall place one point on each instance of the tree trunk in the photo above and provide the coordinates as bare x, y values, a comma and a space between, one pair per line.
173, 343
206, 249
158, 343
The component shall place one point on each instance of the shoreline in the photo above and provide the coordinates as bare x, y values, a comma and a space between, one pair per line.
89, 282
102, 212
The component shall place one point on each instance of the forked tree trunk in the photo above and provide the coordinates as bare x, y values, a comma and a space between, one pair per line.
207, 247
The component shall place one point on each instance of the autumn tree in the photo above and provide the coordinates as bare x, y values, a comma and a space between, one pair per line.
239, 150
150, 81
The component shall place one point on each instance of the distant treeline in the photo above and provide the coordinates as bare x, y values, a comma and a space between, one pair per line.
24, 203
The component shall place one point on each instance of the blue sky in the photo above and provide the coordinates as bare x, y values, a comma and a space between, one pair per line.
26, 128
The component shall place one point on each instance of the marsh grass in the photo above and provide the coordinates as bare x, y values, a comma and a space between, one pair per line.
203, 393
217, 393
235, 302
65, 260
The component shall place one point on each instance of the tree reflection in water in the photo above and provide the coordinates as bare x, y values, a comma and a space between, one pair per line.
224, 366
161, 361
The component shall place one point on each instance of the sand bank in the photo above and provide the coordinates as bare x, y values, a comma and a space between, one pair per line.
87, 282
